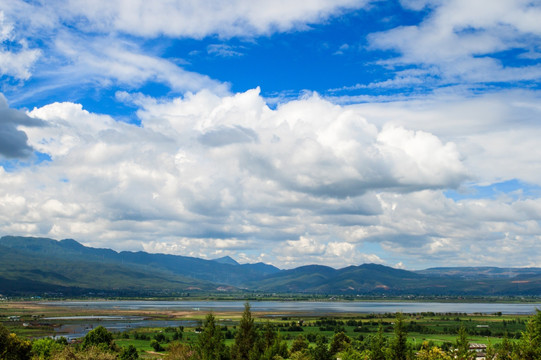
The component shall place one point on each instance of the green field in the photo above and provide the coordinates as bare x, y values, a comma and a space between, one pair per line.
437, 329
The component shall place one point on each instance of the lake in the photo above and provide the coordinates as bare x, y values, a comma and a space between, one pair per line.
73, 327
78, 326
305, 307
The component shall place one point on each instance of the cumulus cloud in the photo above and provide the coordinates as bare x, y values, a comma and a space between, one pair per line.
306, 182
225, 171
14, 142
460, 41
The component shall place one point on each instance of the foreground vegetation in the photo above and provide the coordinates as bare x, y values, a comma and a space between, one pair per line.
377, 337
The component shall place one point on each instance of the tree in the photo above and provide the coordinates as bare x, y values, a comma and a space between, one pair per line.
505, 349
300, 355
299, 344
160, 337
431, 353
278, 349
178, 333
321, 352
339, 342
129, 353
12, 347
350, 354
156, 345
100, 336
246, 336
378, 344
462, 344
529, 347
210, 344
45, 348
269, 335
399, 344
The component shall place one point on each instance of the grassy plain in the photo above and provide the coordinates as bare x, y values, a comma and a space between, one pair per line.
438, 328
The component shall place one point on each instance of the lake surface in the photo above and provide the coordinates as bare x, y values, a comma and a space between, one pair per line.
305, 307
73, 327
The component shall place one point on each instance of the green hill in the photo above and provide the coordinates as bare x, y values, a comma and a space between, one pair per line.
40, 265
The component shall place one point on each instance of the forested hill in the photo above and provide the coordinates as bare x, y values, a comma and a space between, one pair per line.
40, 265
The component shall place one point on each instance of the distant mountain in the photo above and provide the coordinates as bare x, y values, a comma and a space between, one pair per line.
226, 260
481, 272
40, 265
192, 272
377, 279
23, 272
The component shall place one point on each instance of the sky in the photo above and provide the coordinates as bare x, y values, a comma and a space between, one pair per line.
333, 132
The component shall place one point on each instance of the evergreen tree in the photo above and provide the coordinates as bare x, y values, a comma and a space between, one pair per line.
399, 345
246, 336
378, 344
278, 349
321, 351
462, 344
210, 344
129, 353
504, 352
529, 347
340, 342
299, 344
269, 335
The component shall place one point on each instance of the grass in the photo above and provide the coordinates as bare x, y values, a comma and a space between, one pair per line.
421, 327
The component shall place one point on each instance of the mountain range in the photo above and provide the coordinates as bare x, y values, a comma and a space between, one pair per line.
39, 266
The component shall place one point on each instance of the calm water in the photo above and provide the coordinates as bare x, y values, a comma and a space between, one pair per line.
78, 328
304, 307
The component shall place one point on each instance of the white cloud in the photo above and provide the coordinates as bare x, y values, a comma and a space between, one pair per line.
223, 50
207, 172
460, 40
199, 19
304, 246
307, 182
19, 62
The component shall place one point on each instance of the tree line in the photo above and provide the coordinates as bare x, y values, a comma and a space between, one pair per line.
253, 342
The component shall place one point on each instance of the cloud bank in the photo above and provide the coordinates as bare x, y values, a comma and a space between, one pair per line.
207, 175
148, 131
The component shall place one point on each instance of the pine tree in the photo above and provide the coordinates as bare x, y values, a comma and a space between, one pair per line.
399, 345
246, 336
529, 347
463, 351
321, 351
378, 344
340, 342
210, 344
506, 349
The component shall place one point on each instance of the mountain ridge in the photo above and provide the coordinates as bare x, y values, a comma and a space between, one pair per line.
41, 264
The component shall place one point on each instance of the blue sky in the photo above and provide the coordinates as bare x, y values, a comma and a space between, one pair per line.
333, 132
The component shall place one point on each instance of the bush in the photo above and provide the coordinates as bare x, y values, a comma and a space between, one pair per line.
98, 336
156, 345
44, 348
12, 347
129, 353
